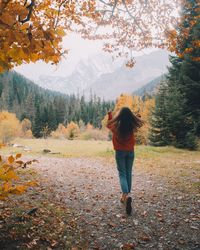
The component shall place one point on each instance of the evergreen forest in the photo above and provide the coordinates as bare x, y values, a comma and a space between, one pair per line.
46, 108
176, 118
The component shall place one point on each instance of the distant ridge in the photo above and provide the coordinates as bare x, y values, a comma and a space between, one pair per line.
21, 95
45, 108
108, 79
151, 88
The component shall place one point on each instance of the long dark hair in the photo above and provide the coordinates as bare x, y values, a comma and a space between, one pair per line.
126, 123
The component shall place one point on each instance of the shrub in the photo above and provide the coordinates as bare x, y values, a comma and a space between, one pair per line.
60, 132
72, 130
95, 134
26, 128
10, 126
189, 142
10, 182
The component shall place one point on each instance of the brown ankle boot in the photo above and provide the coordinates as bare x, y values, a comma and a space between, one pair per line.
123, 198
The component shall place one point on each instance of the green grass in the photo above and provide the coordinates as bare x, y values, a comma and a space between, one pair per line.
61, 148
177, 165
92, 148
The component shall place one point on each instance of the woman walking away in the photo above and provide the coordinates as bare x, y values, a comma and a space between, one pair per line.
123, 127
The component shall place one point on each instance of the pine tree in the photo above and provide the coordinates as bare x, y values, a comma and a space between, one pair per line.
52, 123
37, 124
159, 132
184, 78
181, 97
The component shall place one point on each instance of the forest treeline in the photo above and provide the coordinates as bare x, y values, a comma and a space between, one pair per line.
27, 110
45, 108
176, 117
172, 119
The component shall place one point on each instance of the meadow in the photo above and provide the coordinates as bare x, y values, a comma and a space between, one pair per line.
178, 165
89, 148
166, 186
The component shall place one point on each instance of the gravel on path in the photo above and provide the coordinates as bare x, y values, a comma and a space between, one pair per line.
163, 218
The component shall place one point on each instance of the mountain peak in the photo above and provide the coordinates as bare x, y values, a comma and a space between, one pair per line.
109, 78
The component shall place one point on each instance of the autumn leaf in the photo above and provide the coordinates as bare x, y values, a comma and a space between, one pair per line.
19, 162
10, 181
31, 183
144, 237
60, 31
128, 246
26, 29
10, 175
11, 159
19, 189
18, 156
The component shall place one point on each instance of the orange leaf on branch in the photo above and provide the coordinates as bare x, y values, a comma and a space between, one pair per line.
27, 26
10, 182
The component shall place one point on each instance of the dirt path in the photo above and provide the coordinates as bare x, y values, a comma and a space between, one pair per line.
162, 217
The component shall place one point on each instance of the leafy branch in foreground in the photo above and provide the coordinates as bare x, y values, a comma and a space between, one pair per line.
10, 182
33, 30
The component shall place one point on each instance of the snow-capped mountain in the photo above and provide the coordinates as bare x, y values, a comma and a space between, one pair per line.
126, 80
107, 78
85, 73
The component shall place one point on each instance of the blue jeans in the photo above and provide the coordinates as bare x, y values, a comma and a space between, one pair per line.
124, 160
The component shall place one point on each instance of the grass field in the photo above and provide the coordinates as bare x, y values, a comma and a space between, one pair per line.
62, 148
174, 171
179, 166
81, 148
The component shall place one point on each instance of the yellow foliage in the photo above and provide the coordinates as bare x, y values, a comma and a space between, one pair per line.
89, 126
123, 101
9, 126
69, 132
139, 107
26, 128
176, 38
60, 132
11, 159
10, 175
145, 109
9, 180
72, 130
18, 156
33, 31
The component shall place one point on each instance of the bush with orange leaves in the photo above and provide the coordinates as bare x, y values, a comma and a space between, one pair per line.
10, 126
69, 132
10, 182
72, 130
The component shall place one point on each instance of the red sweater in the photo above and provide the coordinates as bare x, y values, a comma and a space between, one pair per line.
118, 144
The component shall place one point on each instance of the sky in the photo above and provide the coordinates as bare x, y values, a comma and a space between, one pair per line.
79, 49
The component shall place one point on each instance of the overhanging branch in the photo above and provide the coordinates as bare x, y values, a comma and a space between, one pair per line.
30, 10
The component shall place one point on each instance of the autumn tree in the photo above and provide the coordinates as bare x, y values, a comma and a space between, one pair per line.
9, 126
145, 108
89, 126
124, 100
140, 107
26, 128
10, 182
60, 132
32, 30
183, 39
132, 25
72, 130
182, 98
